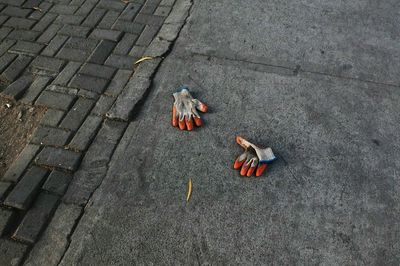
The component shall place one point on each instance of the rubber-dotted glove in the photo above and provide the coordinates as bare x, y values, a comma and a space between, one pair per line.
184, 111
252, 158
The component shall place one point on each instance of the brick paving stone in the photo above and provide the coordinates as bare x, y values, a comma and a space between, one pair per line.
162, 11
158, 47
147, 35
77, 114
12, 252
6, 217
126, 26
52, 117
103, 34
102, 52
138, 1
14, 11
5, 45
114, 5
153, 2
51, 136
118, 82
30, 48
31, 3
12, 2
94, 164
77, 2
57, 182
69, 19
167, 2
149, 19
88, 94
64, 9
81, 43
130, 11
94, 17
45, 6
129, 97
67, 73
44, 22
26, 189
24, 35
48, 63
4, 31
76, 31
18, 166
35, 89
169, 31
62, 89
55, 239
49, 33
36, 218
178, 14
103, 105
148, 9
36, 15
121, 61
146, 68
16, 89
97, 70
5, 60
19, 23
16, 67
3, 19
85, 8
59, 158
137, 51
86, 133
4, 188
110, 132
125, 44
54, 45
55, 100
89, 83
108, 20
73, 54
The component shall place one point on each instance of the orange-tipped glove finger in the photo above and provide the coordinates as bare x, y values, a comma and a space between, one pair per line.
249, 166
182, 124
197, 121
245, 168
253, 166
189, 123
240, 160
200, 106
174, 117
261, 168
185, 108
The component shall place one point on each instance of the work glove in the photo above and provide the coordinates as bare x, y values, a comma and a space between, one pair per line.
252, 158
184, 111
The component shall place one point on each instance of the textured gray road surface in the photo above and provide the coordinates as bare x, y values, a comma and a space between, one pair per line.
311, 80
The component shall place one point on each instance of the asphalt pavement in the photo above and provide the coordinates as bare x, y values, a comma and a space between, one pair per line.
315, 80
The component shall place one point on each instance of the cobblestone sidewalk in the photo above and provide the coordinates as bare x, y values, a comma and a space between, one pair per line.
75, 57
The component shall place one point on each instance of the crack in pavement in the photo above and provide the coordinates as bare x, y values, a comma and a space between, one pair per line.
293, 70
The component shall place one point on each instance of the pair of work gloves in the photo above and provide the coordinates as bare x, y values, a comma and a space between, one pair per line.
185, 115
